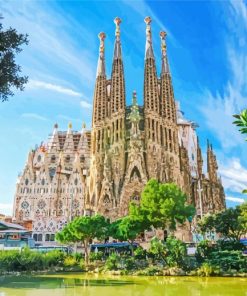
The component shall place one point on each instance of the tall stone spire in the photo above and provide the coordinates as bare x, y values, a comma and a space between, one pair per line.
117, 97
100, 92
164, 65
149, 48
167, 102
151, 99
117, 46
101, 59
212, 165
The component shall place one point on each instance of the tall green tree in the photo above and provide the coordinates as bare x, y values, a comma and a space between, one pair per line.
127, 229
84, 229
10, 45
231, 223
164, 205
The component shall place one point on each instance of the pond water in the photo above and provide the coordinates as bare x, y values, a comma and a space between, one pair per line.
97, 285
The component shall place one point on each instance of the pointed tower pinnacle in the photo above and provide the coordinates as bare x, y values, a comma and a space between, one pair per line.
149, 49
69, 128
117, 97
151, 97
101, 60
167, 102
100, 93
165, 65
117, 46
55, 129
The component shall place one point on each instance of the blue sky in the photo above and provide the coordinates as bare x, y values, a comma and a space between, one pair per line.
207, 54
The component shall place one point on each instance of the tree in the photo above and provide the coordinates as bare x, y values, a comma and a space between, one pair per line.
176, 251
84, 229
127, 229
163, 205
242, 123
10, 45
231, 223
171, 252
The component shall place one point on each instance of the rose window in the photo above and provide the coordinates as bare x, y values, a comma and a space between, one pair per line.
41, 204
24, 204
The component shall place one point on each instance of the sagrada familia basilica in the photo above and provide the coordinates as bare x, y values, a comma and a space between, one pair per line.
103, 169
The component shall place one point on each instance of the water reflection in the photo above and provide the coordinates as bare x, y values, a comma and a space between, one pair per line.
57, 282
99, 285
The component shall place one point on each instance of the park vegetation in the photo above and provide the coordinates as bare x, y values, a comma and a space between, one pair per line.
162, 206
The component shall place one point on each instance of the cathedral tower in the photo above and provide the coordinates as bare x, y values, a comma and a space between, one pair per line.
169, 127
151, 105
98, 127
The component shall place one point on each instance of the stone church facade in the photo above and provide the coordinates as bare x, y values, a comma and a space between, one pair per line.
103, 169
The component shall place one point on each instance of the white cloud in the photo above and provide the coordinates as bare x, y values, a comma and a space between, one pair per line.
85, 104
36, 84
218, 109
6, 208
235, 199
52, 37
234, 175
240, 8
34, 116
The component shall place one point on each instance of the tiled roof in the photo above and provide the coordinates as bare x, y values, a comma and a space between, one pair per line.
11, 225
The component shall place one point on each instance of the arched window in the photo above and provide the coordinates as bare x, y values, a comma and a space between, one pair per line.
47, 237
53, 158
40, 237
35, 236
106, 199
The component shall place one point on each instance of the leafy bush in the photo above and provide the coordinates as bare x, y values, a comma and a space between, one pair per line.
229, 260
208, 269
203, 251
189, 263
28, 260
151, 270
21, 261
77, 256
54, 258
113, 262
140, 253
176, 252
128, 263
70, 262
230, 245
157, 250
96, 256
